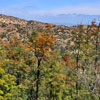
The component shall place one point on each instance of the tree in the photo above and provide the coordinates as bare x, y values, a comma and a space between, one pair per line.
41, 46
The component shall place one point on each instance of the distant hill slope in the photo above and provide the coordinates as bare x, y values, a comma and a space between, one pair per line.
11, 25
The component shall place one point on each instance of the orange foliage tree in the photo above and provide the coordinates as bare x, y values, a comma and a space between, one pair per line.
41, 45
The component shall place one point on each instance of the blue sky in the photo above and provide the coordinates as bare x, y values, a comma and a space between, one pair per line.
34, 8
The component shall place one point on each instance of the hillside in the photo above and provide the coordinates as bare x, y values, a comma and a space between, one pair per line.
11, 25
32, 68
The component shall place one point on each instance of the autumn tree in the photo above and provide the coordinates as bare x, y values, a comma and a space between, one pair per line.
41, 45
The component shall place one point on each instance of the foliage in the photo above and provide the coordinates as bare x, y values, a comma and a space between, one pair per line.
36, 70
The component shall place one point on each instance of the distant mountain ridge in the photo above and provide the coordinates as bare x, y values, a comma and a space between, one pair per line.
62, 19
69, 19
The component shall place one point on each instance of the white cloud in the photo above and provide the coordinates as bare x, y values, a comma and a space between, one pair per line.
23, 13
66, 10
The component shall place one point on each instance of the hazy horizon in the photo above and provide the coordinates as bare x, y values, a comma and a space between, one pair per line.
53, 11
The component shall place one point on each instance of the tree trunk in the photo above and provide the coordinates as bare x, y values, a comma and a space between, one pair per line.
51, 93
38, 80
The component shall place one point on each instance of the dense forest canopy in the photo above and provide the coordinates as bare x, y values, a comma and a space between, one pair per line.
38, 69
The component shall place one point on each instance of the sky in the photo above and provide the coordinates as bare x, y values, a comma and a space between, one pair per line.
30, 9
